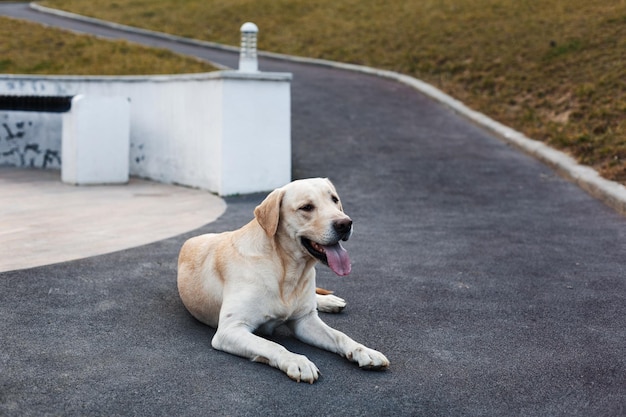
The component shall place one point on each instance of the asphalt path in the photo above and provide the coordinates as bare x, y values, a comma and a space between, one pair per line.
493, 286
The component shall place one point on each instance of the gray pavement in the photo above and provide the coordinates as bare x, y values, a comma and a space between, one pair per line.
494, 286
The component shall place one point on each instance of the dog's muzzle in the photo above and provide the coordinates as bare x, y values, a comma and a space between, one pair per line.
332, 253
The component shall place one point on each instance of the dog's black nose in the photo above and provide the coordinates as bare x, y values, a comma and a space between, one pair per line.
343, 227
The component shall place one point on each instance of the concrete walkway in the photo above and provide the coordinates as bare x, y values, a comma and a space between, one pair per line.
495, 287
43, 221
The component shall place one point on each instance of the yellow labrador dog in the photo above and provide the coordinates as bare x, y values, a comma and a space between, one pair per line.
261, 276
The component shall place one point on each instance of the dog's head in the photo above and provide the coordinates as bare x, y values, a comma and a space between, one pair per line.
308, 217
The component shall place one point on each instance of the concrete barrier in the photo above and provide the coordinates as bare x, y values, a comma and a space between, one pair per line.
95, 141
228, 132
95, 134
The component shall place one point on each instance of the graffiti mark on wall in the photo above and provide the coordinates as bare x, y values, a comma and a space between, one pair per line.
20, 148
137, 153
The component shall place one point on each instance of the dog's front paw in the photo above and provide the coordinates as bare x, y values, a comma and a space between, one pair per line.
330, 303
368, 358
299, 368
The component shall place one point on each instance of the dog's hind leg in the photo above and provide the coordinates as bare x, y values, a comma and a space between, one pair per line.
327, 302
330, 303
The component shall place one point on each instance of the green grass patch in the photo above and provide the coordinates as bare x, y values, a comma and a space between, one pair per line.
553, 69
28, 48
557, 51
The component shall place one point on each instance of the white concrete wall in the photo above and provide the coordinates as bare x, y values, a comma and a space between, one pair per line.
226, 131
255, 154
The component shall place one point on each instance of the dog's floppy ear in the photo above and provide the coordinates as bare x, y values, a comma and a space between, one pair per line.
332, 186
334, 190
268, 212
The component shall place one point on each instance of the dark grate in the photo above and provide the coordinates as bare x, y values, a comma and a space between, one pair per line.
51, 104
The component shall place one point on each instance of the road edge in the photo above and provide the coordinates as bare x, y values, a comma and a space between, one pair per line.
611, 193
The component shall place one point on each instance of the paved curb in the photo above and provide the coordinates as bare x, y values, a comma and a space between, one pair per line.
611, 193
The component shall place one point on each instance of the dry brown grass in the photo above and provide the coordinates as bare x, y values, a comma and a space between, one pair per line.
553, 69
28, 48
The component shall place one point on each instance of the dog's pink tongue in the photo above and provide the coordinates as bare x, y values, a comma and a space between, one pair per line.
338, 259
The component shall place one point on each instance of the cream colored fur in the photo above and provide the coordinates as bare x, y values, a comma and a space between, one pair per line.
261, 276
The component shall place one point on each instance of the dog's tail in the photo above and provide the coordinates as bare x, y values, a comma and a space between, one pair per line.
322, 291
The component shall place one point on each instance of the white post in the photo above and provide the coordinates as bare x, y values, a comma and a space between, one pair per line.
247, 54
95, 141
254, 132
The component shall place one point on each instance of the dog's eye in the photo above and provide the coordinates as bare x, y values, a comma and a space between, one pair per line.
335, 199
307, 207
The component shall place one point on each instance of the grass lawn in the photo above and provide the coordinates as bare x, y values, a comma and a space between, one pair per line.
553, 69
28, 48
